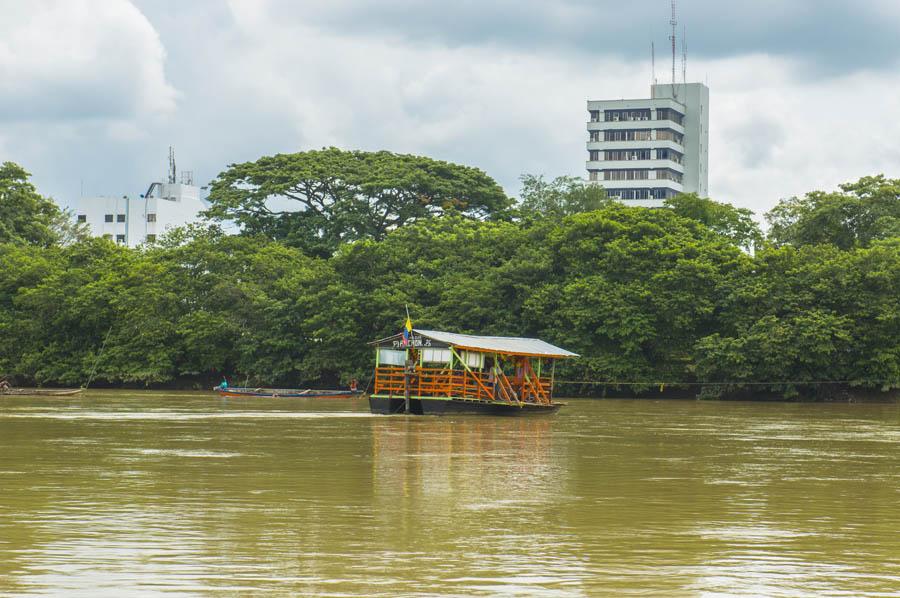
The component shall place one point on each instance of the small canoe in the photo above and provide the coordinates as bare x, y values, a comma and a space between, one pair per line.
41, 392
288, 393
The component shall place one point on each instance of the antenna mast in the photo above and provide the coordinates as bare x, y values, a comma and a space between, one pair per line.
652, 64
171, 165
684, 55
674, 24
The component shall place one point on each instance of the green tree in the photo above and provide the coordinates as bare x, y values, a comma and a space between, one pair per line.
28, 217
808, 314
563, 196
862, 212
631, 290
733, 223
318, 199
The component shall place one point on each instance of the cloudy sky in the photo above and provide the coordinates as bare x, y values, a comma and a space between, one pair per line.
805, 94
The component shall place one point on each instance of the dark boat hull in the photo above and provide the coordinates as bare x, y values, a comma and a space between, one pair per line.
41, 392
288, 393
389, 406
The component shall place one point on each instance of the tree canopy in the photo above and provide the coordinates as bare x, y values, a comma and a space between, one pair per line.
318, 199
859, 214
734, 223
645, 296
28, 217
563, 196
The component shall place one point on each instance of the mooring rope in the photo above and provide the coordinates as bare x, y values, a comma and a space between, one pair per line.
726, 383
96, 361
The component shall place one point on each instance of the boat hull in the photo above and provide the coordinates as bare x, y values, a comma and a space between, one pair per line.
289, 393
41, 392
390, 406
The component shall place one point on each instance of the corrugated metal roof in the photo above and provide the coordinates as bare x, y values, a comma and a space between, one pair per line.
500, 344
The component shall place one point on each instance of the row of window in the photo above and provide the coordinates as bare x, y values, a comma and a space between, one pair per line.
659, 193
666, 174
636, 154
668, 154
121, 238
633, 114
635, 174
118, 217
669, 114
637, 135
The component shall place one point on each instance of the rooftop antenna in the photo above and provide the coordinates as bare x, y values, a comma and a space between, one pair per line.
171, 165
684, 55
674, 24
652, 64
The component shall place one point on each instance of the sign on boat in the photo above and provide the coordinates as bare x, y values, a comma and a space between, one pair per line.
429, 372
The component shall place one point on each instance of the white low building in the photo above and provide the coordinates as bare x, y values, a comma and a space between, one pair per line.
135, 221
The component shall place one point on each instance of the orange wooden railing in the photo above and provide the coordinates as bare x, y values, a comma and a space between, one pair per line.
438, 382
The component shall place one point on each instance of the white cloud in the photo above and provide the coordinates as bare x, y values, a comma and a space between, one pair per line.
79, 59
775, 131
254, 80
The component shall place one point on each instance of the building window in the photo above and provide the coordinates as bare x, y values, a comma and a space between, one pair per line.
626, 115
108, 218
669, 135
594, 155
120, 217
657, 193
151, 238
639, 154
668, 154
670, 175
120, 238
595, 135
151, 217
82, 218
637, 174
669, 114
595, 116
627, 135
594, 175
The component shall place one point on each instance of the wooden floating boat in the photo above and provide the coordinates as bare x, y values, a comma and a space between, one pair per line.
288, 393
428, 372
41, 392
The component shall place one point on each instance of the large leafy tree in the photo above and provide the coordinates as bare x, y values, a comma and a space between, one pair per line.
563, 196
28, 217
734, 223
318, 199
862, 212
808, 314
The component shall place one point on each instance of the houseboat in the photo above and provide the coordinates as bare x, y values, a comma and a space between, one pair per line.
428, 372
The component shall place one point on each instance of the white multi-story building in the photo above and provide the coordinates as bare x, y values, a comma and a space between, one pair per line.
134, 221
644, 151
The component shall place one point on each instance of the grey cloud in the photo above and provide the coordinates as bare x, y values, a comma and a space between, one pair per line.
467, 86
830, 35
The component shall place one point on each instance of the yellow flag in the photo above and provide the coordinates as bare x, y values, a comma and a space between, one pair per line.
408, 324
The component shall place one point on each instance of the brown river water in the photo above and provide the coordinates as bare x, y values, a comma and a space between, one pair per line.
185, 494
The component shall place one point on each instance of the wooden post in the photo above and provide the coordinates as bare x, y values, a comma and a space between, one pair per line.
410, 366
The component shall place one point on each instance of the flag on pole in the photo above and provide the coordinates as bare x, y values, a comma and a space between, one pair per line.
407, 329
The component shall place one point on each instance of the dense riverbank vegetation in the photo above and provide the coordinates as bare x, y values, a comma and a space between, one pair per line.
694, 293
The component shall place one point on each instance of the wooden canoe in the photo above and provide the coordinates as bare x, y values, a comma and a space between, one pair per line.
41, 392
288, 393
